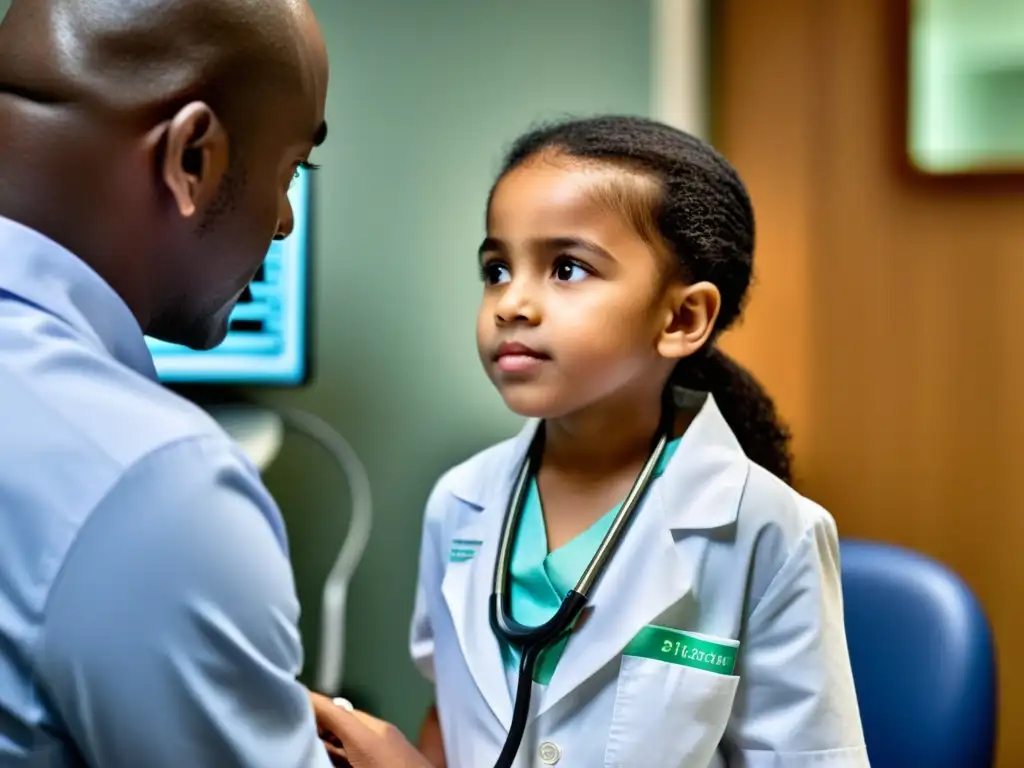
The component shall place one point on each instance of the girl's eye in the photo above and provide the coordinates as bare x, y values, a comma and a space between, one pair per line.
494, 273
570, 272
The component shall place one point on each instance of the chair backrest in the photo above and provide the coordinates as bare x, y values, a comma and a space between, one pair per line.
923, 660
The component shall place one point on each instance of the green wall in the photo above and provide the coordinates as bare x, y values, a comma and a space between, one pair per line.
424, 95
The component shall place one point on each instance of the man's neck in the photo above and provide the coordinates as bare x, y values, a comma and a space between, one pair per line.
104, 261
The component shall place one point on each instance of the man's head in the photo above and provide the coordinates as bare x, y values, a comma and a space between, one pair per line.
157, 142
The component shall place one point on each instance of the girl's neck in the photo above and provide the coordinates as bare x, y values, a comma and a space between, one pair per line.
604, 438
591, 459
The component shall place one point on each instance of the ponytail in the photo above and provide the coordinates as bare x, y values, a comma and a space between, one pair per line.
748, 409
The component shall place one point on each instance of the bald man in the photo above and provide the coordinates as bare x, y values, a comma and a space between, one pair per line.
147, 611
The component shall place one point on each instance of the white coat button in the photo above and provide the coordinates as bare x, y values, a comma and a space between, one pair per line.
549, 752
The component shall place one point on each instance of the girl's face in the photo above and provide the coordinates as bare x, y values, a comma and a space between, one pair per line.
575, 300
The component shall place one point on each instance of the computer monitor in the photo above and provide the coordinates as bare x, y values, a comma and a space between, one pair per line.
267, 340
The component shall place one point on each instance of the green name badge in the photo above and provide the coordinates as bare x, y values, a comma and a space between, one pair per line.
463, 550
689, 650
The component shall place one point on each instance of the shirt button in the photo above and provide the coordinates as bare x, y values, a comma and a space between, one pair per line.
549, 752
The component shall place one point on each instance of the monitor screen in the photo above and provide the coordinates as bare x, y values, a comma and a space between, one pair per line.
266, 341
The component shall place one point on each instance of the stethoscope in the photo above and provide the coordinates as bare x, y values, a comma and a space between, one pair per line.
533, 640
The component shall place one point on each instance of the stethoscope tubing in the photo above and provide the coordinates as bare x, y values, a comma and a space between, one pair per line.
533, 640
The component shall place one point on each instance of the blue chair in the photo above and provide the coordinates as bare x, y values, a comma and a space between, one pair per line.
923, 660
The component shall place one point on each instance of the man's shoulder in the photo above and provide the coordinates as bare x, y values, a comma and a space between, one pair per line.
85, 440
75, 425
66, 398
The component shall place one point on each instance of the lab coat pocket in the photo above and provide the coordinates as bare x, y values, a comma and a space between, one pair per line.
673, 700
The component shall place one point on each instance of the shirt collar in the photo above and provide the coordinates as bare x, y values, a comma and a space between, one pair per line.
700, 489
39, 271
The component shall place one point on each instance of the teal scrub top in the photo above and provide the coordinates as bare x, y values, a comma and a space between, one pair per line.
541, 579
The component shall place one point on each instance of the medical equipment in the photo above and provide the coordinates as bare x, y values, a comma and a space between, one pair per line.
533, 640
343, 703
268, 330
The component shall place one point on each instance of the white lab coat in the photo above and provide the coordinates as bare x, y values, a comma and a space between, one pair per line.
721, 548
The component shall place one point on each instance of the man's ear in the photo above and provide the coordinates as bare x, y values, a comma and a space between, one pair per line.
194, 157
690, 319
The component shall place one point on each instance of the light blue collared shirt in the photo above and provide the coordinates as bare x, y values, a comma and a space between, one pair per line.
148, 615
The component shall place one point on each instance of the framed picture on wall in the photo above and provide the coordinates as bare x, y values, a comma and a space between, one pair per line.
964, 102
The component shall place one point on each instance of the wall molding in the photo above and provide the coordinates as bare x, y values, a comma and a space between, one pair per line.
679, 65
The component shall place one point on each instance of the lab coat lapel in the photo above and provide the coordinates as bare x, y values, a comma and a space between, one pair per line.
699, 491
644, 577
467, 584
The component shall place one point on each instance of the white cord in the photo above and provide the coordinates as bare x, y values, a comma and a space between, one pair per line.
331, 662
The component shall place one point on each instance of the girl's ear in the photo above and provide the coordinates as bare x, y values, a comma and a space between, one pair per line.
689, 320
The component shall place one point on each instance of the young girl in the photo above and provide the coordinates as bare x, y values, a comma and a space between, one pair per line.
617, 250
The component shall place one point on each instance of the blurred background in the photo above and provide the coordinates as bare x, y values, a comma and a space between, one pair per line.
883, 143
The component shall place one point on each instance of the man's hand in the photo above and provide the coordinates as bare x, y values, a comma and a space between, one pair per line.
362, 740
